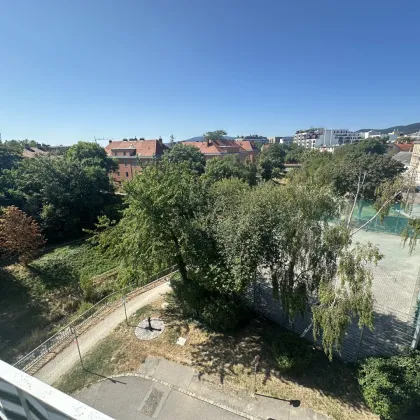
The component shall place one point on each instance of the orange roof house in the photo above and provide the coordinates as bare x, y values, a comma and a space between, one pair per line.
130, 152
219, 148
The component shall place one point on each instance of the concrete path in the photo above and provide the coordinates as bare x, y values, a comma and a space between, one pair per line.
65, 359
139, 398
166, 390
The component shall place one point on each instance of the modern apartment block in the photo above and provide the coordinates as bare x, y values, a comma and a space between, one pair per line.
131, 153
280, 140
325, 138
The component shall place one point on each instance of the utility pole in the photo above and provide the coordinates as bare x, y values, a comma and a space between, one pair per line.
124, 298
73, 329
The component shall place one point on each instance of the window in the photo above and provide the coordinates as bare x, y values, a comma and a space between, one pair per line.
123, 153
126, 174
125, 163
118, 173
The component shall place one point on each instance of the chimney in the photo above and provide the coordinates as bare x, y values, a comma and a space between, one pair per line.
160, 140
208, 142
110, 141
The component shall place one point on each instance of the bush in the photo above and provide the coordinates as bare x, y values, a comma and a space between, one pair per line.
292, 353
391, 386
218, 312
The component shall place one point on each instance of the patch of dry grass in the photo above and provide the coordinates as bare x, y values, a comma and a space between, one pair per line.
330, 388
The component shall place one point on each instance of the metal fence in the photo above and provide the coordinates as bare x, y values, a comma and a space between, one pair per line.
83, 321
396, 327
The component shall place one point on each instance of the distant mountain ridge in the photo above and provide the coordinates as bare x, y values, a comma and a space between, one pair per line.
405, 129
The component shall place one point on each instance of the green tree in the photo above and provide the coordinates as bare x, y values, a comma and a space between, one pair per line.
185, 153
271, 161
90, 154
230, 167
294, 153
367, 146
215, 135
391, 386
159, 226
353, 172
283, 234
63, 195
9, 156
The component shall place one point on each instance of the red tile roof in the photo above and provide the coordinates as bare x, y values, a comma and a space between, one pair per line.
405, 147
147, 148
32, 152
220, 147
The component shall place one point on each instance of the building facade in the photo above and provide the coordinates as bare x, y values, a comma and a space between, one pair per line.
245, 149
130, 154
325, 138
280, 140
415, 162
255, 138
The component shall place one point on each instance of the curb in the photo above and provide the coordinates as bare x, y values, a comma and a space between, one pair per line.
181, 390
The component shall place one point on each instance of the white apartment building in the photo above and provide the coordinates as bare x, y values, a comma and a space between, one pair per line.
391, 136
325, 138
280, 140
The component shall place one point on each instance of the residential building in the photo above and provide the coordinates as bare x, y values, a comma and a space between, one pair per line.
415, 162
325, 138
281, 140
255, 138
223, 147
130, 154
374, 134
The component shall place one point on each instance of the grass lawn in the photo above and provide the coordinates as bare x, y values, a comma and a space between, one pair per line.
35, 300
330, 388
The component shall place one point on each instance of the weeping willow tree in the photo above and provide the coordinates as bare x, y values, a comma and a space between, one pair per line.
228, 235
284, 235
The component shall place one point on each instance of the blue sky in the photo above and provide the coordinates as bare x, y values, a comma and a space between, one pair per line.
72, 70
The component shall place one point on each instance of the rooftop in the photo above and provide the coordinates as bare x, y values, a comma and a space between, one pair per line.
141, 147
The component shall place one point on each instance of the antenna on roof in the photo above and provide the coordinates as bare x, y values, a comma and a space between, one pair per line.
97, 139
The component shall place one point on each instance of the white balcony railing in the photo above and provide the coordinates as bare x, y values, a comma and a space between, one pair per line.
25, 397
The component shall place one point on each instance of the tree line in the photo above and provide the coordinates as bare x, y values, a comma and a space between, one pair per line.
62, 193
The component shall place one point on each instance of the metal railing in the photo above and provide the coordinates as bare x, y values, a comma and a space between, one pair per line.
109, 302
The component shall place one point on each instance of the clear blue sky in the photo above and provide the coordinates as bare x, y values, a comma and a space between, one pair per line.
74, 69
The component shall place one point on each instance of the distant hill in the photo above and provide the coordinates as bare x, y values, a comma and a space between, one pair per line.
201, 138
405, 129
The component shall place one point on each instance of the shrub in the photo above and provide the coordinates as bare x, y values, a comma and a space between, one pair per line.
291, 353
218, 312
391, 386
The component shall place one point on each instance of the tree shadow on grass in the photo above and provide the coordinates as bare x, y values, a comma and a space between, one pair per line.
233, 354
19, 316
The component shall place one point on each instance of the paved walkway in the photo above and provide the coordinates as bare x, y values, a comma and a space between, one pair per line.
166, 390
66, 358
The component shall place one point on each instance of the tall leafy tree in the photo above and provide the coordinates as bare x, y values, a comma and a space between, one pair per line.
230, 167
352, 172
271, 161
215, 135
9, 156
294, 153
283, 235
159, 226
20, 235
90, 154
64, 195
189, 154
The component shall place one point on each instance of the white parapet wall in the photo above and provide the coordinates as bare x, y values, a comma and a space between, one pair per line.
25, 397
